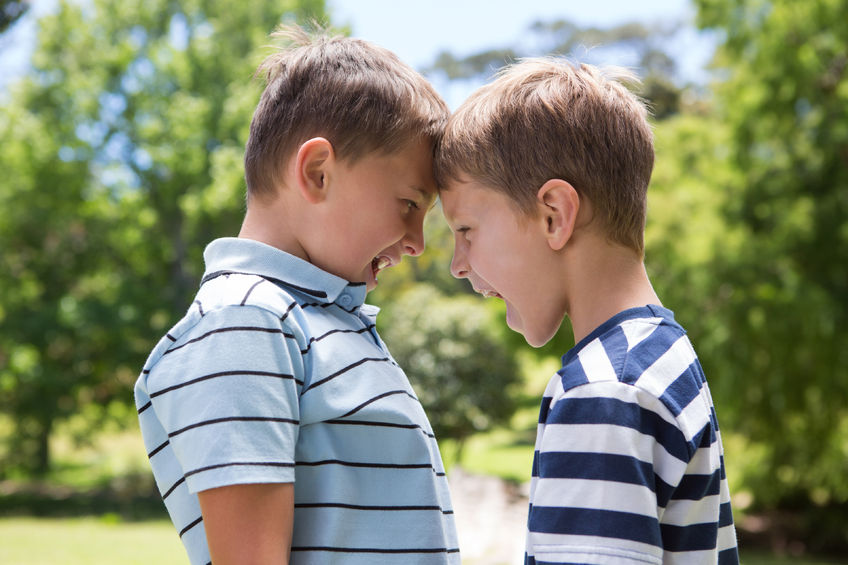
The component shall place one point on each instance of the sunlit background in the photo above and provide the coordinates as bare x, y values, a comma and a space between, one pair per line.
122, 126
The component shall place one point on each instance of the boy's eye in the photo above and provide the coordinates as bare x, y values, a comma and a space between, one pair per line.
411, 205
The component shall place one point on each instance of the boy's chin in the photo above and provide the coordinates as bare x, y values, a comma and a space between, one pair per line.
535, 336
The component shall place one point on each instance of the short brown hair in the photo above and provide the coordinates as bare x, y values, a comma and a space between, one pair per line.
547, 118
359, 96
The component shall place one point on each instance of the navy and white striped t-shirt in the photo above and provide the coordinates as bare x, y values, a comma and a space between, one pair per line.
629, 466
277, 374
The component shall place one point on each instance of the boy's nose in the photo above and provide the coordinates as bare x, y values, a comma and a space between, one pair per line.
413, 243
458, 267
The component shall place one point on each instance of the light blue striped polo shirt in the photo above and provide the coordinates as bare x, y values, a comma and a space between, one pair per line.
629, 466
277, 374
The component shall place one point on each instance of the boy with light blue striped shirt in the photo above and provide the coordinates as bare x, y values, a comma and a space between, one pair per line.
543, 176
278, 426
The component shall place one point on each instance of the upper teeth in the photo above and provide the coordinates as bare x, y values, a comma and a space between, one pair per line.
488, 293
383, 262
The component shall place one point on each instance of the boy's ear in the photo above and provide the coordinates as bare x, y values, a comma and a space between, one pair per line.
311, 166
559, 204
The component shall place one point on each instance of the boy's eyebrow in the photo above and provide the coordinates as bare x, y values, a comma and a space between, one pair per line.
428, 196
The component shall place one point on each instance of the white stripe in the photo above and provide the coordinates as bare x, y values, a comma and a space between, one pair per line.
690, 557
689, 512
595, 362
694, 417
665, 370
554, 390
615, 440
726, 537
637, 331
625, 393
585, 549
600, 495
705, 461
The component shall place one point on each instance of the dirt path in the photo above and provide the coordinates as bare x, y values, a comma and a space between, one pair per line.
491, 516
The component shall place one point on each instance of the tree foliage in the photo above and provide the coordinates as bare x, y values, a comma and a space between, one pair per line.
121, 158
784, 284
454, 351
10, 12
641, 46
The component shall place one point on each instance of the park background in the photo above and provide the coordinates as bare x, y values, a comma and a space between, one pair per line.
122, 126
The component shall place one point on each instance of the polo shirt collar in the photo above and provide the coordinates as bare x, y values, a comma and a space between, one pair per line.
239, 255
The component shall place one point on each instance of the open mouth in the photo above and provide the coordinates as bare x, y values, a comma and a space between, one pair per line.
380, 263
490, 294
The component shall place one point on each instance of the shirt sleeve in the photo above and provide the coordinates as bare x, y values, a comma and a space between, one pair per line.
608, 458
226, 393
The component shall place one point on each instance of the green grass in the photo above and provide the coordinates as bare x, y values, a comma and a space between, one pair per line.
107, 541
88, 541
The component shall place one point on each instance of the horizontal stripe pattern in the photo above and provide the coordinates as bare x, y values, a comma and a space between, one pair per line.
276, 374
628, 465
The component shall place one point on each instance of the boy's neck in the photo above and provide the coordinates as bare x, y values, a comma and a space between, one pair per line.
606, 279
267, 223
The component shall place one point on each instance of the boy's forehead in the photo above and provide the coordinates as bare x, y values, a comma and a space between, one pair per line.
456, 196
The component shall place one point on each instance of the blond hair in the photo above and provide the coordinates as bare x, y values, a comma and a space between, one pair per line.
546, 118
359, 96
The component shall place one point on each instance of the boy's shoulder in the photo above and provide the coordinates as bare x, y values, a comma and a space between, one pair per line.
643, 347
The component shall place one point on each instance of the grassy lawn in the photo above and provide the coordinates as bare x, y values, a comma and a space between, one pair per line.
107, 541
88, 541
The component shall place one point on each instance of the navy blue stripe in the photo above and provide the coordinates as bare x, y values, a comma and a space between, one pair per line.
231, 329
600, 410
240, 464
685, 388
604, 467
594, 522
331, 332
595, 466
158, 449
380, 424
312, 292
190, 526
615, 347
145, 407
729, 557
697, 537
233, 419
725, 515
288, 311
224, 374
572, 376
343, 370
168, 492
544, 409
375, 399
250, 290
696, 487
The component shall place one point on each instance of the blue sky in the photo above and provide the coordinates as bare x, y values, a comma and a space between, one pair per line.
418, 31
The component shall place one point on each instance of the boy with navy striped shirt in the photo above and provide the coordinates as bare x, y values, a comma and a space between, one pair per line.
543, 176
278, 426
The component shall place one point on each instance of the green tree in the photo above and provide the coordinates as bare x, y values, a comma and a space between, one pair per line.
10, 11
642, 46
782, 287
454, 351
121, 157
